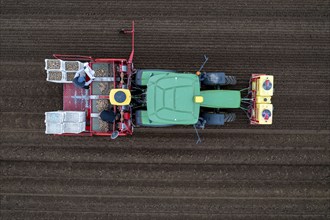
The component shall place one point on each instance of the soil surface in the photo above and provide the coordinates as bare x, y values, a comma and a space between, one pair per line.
238, 172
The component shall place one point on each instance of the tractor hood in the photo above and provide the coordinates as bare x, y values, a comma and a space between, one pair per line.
170, 98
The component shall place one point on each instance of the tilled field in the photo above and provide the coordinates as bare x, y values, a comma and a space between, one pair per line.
238, 172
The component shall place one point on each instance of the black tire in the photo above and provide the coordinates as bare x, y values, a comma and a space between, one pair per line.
230, 80
230, 117
218, 118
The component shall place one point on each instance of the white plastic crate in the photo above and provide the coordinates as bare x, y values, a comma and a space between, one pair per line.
80, 65
76, 128
75, 116
54, 128
54, 117
47, 67
65, 116
62, 67
59, 80
66, 76
65, 127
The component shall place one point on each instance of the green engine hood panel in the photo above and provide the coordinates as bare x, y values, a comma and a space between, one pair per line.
170, 98
221, 99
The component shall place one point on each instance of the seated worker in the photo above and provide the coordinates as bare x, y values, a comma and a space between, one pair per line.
80, 77
109, 116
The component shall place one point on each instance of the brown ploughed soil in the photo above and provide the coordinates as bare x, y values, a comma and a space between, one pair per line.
238, 172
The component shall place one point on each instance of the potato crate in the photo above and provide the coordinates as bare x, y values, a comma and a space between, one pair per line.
56, 64
54, 128
56, 76
53, 64
69, 127
71, 66
65, 116
66, 127
75, 116
54, 117
69, 76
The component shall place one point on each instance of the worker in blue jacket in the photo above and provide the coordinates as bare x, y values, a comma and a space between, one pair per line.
80, 77
109, 116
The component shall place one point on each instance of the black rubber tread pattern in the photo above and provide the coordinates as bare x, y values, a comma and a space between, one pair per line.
230, 117
230, 80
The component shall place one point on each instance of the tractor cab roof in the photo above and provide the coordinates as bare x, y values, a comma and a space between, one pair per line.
170, 98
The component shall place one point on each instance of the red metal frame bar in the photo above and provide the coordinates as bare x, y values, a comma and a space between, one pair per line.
107, 60
130, 60
86, 133
72, 57
253, 96
254, 78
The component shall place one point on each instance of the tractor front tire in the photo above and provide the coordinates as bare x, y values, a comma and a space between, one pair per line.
218, 79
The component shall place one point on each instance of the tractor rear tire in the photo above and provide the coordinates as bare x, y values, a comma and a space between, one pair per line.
230, 117
230, 80
218, 118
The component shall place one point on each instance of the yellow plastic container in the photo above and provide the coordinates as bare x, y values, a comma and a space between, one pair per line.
264, 113
120, 97
265, 85
264, 99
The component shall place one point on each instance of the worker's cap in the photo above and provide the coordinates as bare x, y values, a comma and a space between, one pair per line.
81, 79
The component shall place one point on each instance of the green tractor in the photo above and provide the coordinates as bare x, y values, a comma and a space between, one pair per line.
171, 98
